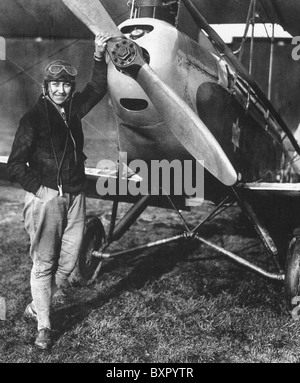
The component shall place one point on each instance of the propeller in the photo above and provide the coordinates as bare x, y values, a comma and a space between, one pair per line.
182, 121
94, 16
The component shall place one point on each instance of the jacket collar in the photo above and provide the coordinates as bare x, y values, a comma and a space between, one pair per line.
61, 109
53, 107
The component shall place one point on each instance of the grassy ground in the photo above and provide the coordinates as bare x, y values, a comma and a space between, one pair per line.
178, 303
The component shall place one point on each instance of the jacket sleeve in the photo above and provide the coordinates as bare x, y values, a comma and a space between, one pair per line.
17, 165
94, 91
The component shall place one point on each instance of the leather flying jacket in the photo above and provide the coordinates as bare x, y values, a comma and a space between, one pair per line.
49, 151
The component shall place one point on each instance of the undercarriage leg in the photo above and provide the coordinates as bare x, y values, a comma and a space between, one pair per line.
262, 232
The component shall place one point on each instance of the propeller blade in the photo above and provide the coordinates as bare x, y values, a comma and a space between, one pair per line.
94, 16
187, 127
182, 121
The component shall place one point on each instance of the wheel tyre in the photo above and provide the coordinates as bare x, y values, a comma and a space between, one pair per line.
292, 277
93, 238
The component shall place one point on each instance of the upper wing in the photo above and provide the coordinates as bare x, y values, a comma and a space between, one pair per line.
50, 18
31, 18
283, 12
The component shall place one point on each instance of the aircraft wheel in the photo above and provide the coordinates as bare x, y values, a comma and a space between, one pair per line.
93, 238
292, 276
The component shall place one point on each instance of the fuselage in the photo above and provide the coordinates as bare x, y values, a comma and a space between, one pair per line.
199, 75
181, 63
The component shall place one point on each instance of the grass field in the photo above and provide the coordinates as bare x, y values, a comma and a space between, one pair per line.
173, 304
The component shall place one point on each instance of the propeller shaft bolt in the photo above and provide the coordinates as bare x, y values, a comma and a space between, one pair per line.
123, 52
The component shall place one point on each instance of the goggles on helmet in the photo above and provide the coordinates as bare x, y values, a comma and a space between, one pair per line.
57, 68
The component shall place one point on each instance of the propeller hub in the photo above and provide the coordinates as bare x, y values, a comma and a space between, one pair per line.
122, 52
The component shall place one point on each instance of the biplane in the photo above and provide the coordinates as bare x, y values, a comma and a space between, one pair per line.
179, 93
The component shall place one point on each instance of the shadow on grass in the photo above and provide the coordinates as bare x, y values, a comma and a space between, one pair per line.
137, 271
134, 272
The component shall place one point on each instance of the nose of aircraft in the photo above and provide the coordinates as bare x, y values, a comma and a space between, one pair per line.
160, 44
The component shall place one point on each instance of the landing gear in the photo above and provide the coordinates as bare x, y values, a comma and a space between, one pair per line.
292, 274
93, 239
95, 244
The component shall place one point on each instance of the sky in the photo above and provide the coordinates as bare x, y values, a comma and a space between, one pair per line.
228, 31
